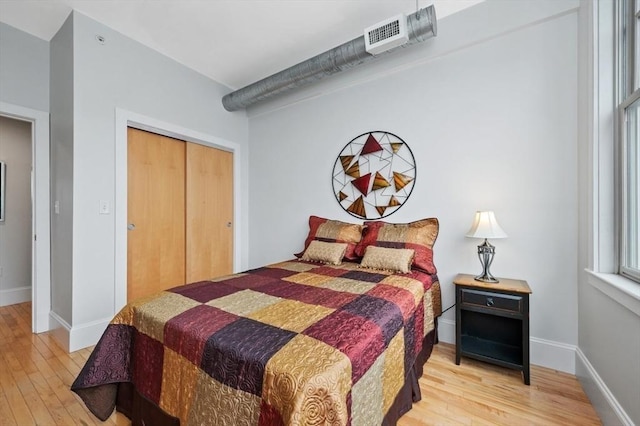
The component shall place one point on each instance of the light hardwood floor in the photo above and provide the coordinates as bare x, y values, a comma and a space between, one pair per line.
35, 375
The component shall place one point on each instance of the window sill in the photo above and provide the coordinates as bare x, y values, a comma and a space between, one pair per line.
619, 288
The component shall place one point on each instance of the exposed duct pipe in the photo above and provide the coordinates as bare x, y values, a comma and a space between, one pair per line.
421, 26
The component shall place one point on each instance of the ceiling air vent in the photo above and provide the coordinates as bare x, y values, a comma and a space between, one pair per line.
386, 34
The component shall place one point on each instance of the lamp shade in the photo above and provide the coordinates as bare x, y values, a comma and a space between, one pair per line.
485, 225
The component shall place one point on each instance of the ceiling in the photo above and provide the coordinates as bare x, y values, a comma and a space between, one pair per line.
235, 42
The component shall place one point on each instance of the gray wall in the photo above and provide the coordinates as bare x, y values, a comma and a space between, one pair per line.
24, 69
124, 74
15, 230
489, 109
610, 340
62, 157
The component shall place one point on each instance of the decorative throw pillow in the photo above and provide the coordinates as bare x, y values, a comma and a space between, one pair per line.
419, 236
334, 231
391, 259
319, 251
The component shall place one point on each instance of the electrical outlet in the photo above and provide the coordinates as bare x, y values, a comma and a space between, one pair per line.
105, 208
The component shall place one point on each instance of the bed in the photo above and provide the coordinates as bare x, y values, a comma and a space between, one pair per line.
296, 342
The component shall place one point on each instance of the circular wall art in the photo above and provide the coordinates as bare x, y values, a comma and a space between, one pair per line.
374, 175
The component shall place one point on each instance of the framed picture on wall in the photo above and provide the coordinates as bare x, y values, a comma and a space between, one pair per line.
3, 182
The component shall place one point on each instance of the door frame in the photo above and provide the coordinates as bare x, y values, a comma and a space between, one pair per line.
40, 214
125, 119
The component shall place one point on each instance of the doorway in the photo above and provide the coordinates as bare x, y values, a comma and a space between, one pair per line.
15, 222
40, 225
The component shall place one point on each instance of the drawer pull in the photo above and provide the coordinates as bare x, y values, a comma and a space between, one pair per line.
489, 301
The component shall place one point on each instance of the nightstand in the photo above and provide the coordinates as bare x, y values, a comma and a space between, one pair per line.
492, 322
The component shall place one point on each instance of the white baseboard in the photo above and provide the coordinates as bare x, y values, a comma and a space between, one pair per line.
545, 353
605, 404
551, 354
15, 295
447, 331
88, 334
60, 330
79, 337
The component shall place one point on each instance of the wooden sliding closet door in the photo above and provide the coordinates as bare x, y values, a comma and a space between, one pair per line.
209, 212
156, 213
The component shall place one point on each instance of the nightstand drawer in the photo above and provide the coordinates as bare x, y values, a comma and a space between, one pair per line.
487, 299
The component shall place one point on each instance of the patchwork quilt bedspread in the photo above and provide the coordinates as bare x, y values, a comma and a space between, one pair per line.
291, 343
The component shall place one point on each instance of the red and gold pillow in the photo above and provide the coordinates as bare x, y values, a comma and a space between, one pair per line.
388, 259
322, 252
334, 231
419, 236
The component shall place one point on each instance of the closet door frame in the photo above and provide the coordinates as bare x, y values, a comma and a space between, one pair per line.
125, 119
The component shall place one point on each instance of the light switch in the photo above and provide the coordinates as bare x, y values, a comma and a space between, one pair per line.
56, 207
104, 207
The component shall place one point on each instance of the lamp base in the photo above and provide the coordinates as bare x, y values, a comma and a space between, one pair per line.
486, 278
485, 254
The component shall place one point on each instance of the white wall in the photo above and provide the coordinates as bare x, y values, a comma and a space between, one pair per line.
489, 109
609, 362
15, 230
62, 155
126, 75
24, 69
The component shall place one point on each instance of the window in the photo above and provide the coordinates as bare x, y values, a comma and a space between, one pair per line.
629, 136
